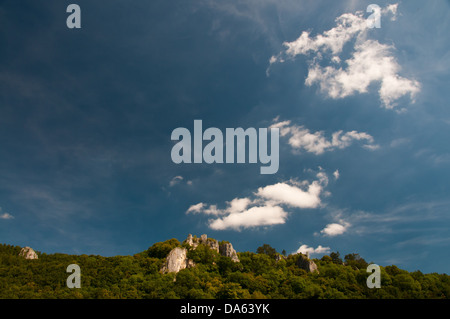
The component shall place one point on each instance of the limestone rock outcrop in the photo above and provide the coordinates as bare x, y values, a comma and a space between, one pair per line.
177, 260
28, 253
227, 250
307, 264
194, 242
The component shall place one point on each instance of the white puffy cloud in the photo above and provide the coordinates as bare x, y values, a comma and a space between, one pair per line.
238, 205
177, 180
254, 216
305, 249
300, 138
336, 174
370, 62
267, 205
347, 26
335, 229
6, 216
391, 8
292, 195
197, 208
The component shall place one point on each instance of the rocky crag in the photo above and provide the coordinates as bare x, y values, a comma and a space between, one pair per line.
307, 264
177, 258
28, 253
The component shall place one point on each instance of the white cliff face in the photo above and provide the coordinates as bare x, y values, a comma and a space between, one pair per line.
28, 253
228, 251
190, 240
212, 244
224, 249
177, 260
194, 242
305, 263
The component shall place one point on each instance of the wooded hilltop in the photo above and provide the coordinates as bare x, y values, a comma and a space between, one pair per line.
209, 274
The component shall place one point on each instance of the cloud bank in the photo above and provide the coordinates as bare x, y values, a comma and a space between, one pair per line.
5, 215
266, 207
335, 229
305, 249
301, 138
370, 61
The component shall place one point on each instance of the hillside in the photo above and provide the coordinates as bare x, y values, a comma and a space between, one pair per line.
261, 274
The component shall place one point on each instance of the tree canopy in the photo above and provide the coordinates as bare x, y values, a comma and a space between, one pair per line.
257, 275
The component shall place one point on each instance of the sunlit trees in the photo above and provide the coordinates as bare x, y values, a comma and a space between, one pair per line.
162, 249
257, 275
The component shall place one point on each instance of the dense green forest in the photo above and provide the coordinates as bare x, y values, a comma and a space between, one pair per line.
260, 274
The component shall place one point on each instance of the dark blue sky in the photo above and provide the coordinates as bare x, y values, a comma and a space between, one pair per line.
86, 117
